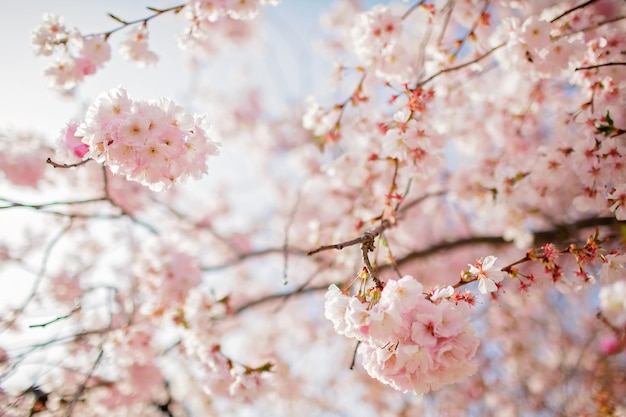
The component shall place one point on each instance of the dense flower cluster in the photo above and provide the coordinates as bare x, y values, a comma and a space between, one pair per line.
74, 55
21, 159
376, 35
152, 142
407, 340
167, 274
211, 24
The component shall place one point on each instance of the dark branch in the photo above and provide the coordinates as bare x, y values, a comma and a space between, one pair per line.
460, 66
561, 232
607, 64
365, 237
271, 297
573, 9
251, 255
57, 165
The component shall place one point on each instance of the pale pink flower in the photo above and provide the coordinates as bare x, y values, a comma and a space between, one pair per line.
374, 31
335, 308
142, 380
22, 159
487, 274
613, 303
135, 47
437, 293
66, 288
318, 120
535, 33
614, 269
247, 386
96, 49
65, 73
167, 273
213, 25
618, 196
48, 35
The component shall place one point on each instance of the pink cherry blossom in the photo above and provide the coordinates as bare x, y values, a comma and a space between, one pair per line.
135, 48
73, 55
613, 303
127, 136
426, 345
614, 269
449, 129
618, 196
487, 274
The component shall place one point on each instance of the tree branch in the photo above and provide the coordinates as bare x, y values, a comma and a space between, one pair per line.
276, 296
560, 232
254, 254
367, 236
573, 9
606, 64
458, 67
57, 165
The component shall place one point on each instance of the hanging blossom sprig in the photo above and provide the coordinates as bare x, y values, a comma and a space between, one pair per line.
418, 341
75, 56
152, 142
409, 341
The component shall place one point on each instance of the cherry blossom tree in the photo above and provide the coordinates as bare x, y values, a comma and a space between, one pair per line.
440, 232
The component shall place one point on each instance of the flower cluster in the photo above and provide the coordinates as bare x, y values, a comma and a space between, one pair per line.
167, 274
212, 24
408, 341
135, 47
152, 142
376, 35
22, 157
74, 55
487, 274
612, 295
213, 10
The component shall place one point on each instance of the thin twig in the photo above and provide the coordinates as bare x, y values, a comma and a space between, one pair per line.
559, 231
145, 20
356, 348
458, 67
82, 386
607, 64
292, 214
12, 203
40, 275
565, 13
276, 296
450, 6
68, 315
591, 27
472, 30
412, 8
57, 165
369, 235
252, 255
